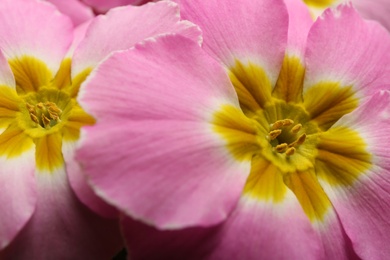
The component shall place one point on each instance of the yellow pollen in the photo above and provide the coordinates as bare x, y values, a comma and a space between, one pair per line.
281, 148
45, 114
282, 141
274, 134
290, 151
34, 118
281, 123
296, 128
287, 122
301, 139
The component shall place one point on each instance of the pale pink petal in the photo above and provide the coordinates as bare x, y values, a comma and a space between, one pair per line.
241, 29
62, 228
123, 27
78, 36
35, 29
153, 141
344, 48
18, 195
378, 10
104, 5
6, 76
364, 208
75, 9
78, 182
299, 25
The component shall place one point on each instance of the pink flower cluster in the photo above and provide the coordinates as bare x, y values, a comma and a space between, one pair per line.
194, 129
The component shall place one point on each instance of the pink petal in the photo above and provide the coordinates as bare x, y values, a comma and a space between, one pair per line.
6, 76
121, 29
254, 230
75, 9
378, 10
104, 5
146, 242
153, 141
78, 182
299, 25
344, 48
35, 29
364, 208
78, 36
18, 195
243, 30
62, 228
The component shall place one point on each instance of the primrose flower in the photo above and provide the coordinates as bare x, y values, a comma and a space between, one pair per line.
378, 10
274, 133
42, 66
75, 9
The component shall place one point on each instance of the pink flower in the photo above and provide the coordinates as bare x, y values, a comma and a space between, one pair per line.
278, 135
43, 62
378, 10
81, 11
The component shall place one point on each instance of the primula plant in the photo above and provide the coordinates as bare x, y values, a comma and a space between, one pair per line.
276, 129
43, 62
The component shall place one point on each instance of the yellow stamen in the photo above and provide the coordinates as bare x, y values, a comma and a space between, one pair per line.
278, 124
274, 133
281, 147
296, 128
34, 118
40, 105
46, 121
290, 151
287, 122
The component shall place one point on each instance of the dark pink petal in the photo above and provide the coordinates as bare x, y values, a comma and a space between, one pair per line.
375, 10
62, 228
18, 195
78, 182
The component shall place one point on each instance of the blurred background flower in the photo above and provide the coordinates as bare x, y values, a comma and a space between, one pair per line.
378, 10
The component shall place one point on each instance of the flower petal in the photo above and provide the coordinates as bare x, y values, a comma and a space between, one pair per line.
18, 195
147, 242
363, 205
104, 5
376, 10
65, 228
75, 9
336, 52
120, 29
240, 30
254, 230
174, 159
78, 182
299, 25
9, 106
43, 32
6, 76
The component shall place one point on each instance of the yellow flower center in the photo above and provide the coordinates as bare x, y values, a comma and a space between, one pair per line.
289, 136
40, 112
